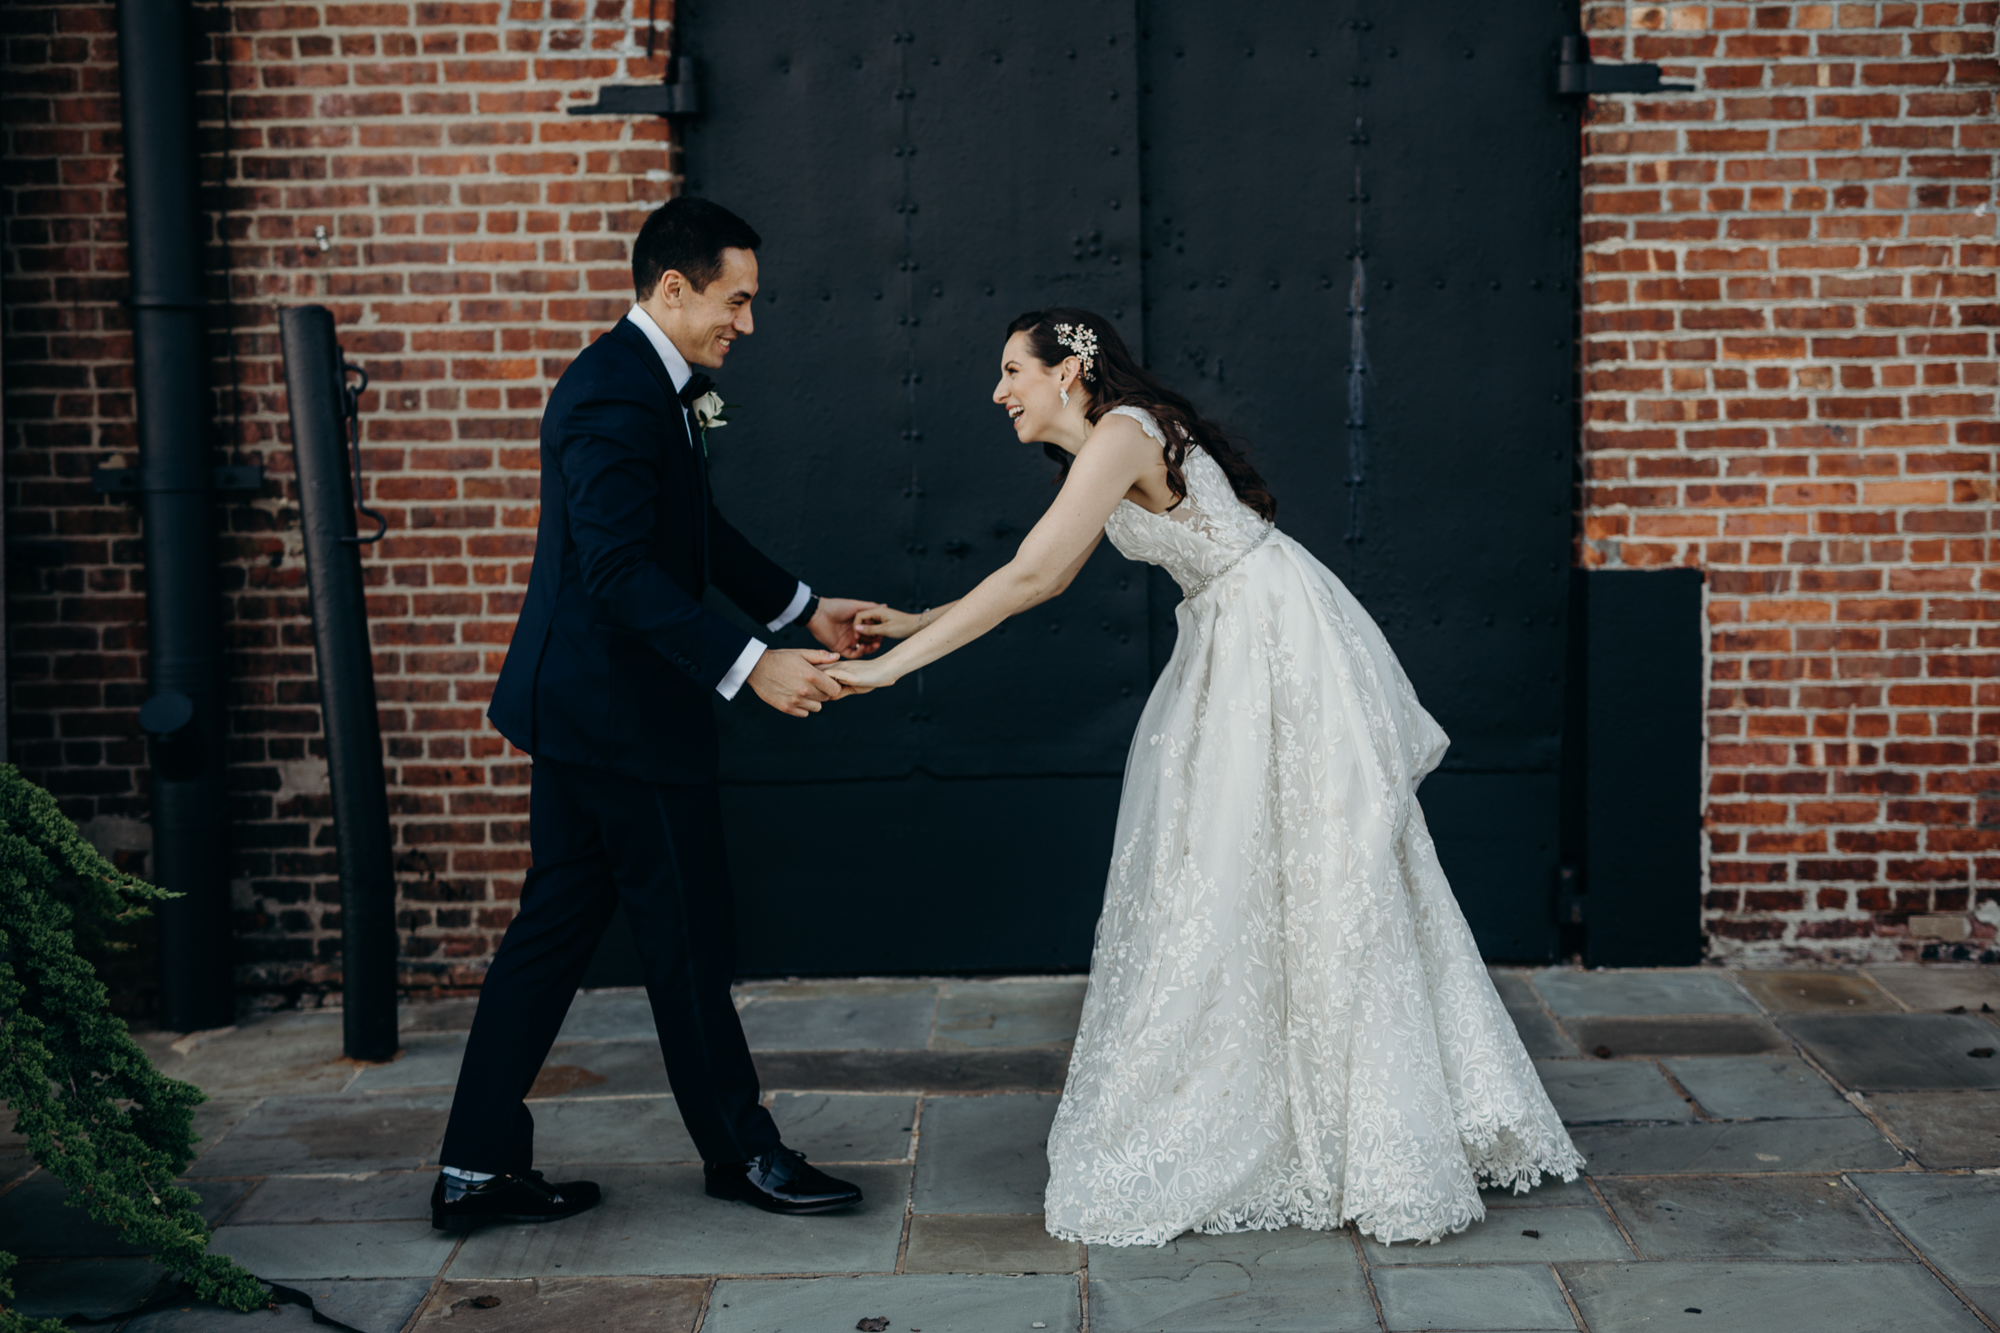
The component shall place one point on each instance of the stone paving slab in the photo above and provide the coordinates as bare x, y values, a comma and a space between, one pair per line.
95, 1289
310, 1135
567, 1304
1953, 1220
602, 1069
437, 1015
280, 1053
1756, 1087
1519, 1296
1901, 1052
1033, 1069
1009, 1243
1539, 1032
655, 1221
1720, 1034
1945, 1130
1289, 1281
1577, 994
610, 1129
1551, 1193
846, 1127
383, 1196
616, 1015
879, 1023
1587, 1092
286, 1253
934, 1304
427, 1060
1931, 987
984, 1154
35, 1222
378, 1305
194, 1316
985, 1014
1750, 1217
1783, 991
1753, 1297
1735, 1146
1580, 1232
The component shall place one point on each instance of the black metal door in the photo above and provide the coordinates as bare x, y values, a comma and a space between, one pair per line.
1250, 192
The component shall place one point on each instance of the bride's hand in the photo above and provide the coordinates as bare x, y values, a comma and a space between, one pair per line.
887, 621
861, 677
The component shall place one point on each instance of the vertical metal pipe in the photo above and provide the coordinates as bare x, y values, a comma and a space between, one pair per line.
183, 620
314, 384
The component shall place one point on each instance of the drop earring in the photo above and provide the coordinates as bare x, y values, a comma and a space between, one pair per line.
1065, 396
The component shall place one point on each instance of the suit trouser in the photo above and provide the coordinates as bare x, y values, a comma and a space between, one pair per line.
599, 839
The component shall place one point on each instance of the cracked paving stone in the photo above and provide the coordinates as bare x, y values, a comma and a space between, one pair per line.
1757, 1087
318, 1135
1900, 1052
1929, 986
1582, 1232
956, 1304
1290, 1281
1589, 1092
1766, 1297
1945, 1130
1724, 1217
562, 1304
1752, 1145
1952, 1220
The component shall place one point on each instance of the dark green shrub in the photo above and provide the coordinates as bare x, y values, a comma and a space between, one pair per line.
95, 1112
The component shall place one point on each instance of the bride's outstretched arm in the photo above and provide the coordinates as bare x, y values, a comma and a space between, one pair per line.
890, 623
1115, 457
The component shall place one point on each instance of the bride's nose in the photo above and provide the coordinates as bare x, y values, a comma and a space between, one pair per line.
1000, 393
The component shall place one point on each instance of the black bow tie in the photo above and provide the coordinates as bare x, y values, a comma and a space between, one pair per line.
697, 385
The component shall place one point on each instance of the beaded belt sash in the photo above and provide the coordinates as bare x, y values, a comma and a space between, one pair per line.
1207, 583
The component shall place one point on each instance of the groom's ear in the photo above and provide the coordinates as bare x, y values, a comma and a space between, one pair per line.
673, 287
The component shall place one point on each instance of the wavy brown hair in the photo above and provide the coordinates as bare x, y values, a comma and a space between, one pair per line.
1118, 380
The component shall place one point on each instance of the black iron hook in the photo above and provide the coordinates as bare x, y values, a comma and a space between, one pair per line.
351, 395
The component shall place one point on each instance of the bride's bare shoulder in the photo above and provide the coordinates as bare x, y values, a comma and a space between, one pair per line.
1127, 430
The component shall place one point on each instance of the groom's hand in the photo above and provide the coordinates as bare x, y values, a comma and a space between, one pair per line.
833, 625
790, 679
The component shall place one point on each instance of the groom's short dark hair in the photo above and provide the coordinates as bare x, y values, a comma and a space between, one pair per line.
688, 236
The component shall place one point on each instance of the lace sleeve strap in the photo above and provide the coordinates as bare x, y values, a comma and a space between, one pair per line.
1145, 420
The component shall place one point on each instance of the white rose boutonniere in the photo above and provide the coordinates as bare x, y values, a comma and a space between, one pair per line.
708, 410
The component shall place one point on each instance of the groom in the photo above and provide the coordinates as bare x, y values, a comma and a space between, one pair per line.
608, 684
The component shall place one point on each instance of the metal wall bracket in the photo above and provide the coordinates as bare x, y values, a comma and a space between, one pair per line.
1578, 76
677, 94
237, 480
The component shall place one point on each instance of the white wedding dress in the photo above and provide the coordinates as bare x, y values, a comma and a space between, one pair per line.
1288, 1022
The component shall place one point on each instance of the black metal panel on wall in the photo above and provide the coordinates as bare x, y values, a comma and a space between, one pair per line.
1265, 199
1360, 231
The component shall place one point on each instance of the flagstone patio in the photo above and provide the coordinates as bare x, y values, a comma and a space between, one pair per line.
1769, 1151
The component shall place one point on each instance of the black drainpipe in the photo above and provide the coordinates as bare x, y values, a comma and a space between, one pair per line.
184, 715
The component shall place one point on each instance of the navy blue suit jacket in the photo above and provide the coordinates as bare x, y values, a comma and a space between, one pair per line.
614, 660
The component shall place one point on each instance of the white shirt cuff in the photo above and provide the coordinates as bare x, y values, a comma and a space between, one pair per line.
798, 604
746, 662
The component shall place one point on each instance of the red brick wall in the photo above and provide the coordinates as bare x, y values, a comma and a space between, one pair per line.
475, 236
1790, 310
1790, 307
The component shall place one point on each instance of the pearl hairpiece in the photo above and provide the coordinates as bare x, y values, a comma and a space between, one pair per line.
1082, 340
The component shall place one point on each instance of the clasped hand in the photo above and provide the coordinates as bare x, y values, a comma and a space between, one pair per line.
795, 681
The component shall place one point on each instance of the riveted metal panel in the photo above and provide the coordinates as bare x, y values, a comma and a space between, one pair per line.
1264, 198
1359, 255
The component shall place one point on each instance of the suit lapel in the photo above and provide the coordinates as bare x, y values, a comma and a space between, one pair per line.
626, 332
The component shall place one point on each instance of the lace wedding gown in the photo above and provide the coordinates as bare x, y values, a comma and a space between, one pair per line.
1287, 1022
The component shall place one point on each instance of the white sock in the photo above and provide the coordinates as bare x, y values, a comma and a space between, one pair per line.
469, 1177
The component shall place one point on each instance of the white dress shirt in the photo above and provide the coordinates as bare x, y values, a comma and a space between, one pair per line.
679, 371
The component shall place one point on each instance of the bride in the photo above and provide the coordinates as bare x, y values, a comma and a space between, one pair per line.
1287, 1022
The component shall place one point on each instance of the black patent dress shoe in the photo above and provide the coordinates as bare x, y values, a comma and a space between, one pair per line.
460, 1205
779, 1181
